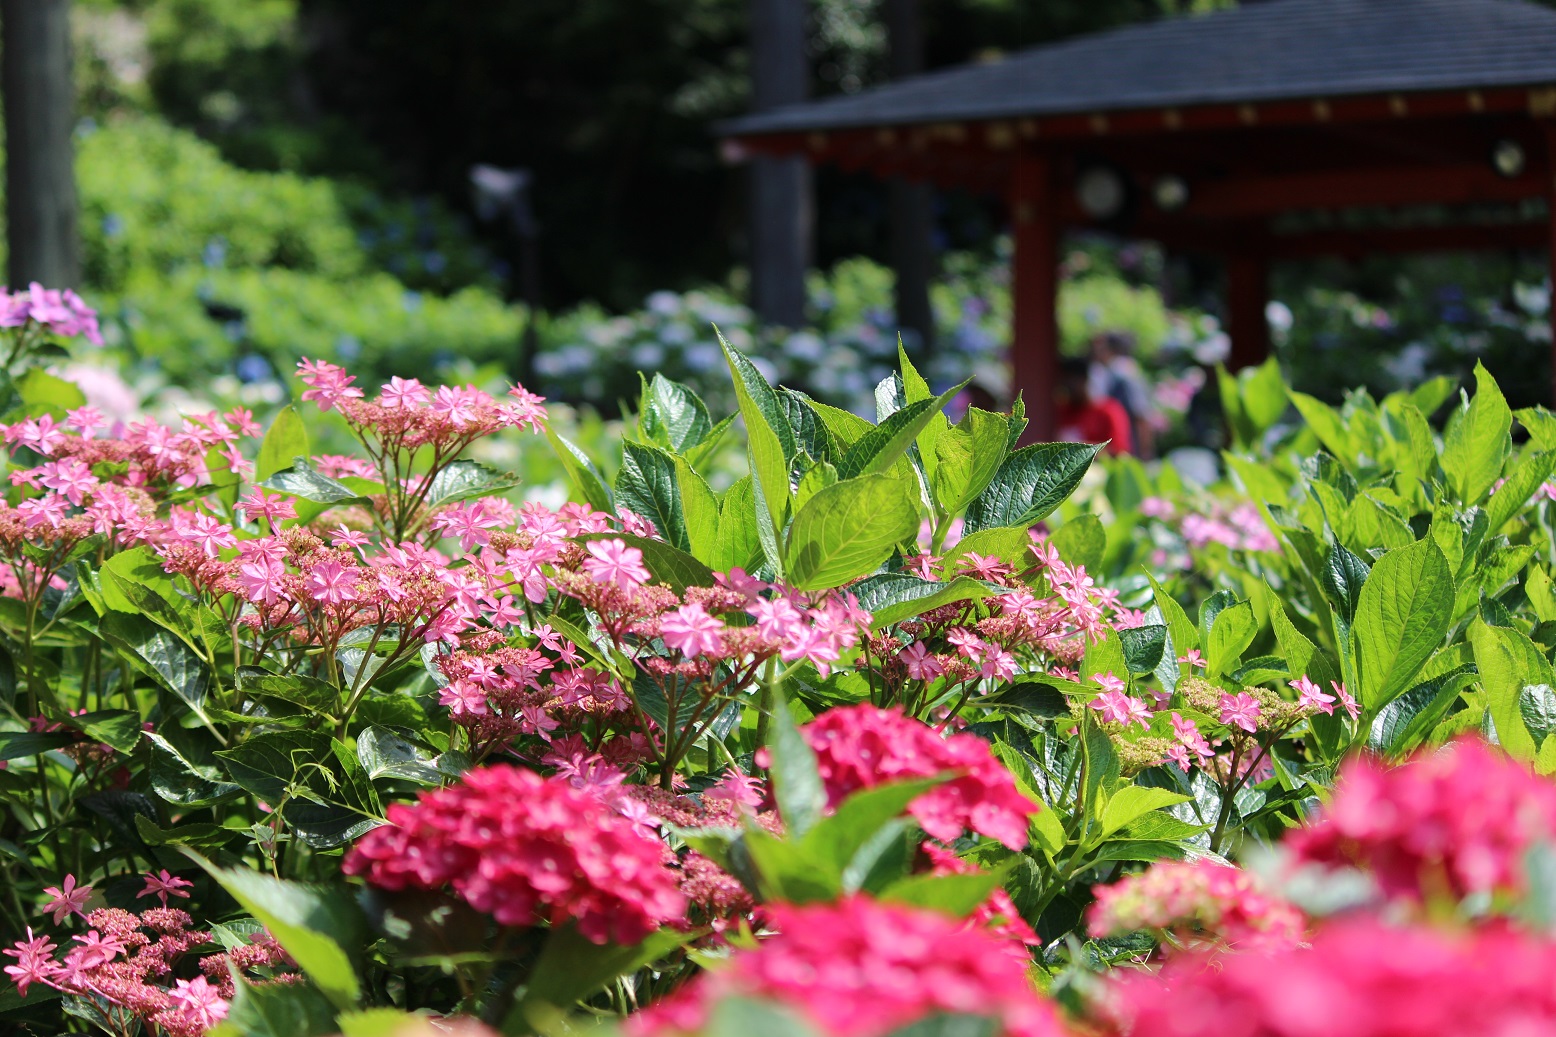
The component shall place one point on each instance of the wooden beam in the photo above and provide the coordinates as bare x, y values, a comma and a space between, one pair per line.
1550, 183
1034, 347
1214, 238
1398, 240
1403, 185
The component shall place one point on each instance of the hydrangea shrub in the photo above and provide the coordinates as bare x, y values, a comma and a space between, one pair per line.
903, 725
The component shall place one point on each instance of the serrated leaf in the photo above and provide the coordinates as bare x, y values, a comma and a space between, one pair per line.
848, 529
465, 479
673, 415
302, 480
967, 456
880, 448
893, 597
647, 484
768, 435
1030, 484
1402, 615
1081, 541
286, 438
1476, 443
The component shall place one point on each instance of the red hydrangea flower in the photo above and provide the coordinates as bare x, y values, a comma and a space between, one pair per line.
526, 849
1452, 822
859, 968
1195, 899
1360, 978
859, 747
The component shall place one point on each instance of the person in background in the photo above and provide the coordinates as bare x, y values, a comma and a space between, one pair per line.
1116, 373
1082, 418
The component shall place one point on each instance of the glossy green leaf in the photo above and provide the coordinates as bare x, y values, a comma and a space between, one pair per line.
1180, 627
1537, 707
848, 529
769, 438
700, 511
1128, 804
1030, 484
464, 480
1403, 613
1144, 646
571, 967
581, 472
797, 786
186, 773
268, 764
1081, 541
673, 415
893, 597
286, 438
739, 543
1404, 723
958, 895
881, 448
1508, 662
302, 480
1476, 443
967, 458
1231, 633
647, 484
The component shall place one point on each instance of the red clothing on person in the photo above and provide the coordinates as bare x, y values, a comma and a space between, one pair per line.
1097, 421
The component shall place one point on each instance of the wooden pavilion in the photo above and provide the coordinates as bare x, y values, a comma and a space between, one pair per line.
1281, 128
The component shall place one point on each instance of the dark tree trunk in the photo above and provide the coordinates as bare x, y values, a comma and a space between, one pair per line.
910, 205
40, 182
781, 217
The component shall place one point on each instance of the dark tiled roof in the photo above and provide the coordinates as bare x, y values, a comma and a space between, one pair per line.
1268, 51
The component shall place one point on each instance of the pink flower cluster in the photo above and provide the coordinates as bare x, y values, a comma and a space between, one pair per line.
1360, 978
1046, 614
1448, 823
527, 850
130, 961
860, 747
1194, 901
60, 313
409, 415
860, 968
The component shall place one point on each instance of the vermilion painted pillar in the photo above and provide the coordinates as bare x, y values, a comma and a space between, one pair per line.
1550, 183
1034, 346
1247, 295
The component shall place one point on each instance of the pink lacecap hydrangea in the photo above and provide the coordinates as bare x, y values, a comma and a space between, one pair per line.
859, 747
1360, 978
62, 312
860, 968
1197, 899
1450, 822
526, 849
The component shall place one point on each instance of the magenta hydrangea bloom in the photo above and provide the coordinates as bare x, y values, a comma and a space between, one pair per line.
860, 968
1451, 822
1200, 901
526, 849
859, 747
1360, 978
